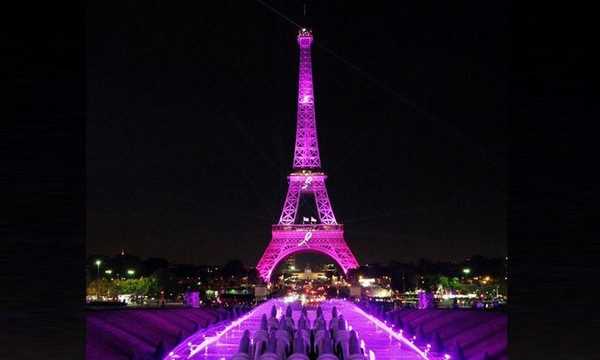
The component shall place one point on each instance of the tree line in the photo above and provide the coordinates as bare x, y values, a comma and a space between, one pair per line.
128, 274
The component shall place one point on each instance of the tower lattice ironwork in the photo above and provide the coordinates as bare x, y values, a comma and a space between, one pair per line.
323, 235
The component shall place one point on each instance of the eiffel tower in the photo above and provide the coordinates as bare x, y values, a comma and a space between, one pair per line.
323, 235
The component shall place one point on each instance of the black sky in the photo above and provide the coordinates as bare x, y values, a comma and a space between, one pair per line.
192, 113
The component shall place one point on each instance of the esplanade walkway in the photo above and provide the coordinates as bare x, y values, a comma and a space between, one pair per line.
276, 330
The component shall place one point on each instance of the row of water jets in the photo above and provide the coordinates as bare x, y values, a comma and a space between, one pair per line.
282, 339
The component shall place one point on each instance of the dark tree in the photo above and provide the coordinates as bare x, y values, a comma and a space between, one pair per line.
165, 281
185, 271
152, 264
254, 276
233, 268
122, 263
426, 266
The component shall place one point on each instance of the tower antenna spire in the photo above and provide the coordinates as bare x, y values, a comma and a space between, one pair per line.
305, 11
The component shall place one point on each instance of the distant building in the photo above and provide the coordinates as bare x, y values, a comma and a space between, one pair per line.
308, 274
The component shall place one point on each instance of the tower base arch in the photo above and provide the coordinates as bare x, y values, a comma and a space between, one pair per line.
291, 239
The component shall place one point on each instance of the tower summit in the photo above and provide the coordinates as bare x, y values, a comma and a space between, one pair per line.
323, 235
306, 152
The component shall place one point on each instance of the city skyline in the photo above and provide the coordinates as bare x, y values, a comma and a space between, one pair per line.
192, 115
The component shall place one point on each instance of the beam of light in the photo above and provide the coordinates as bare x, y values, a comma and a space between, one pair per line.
222, 208
434, 119
262, 200
399, 212
230, 151
252, 139
377, 235
481, 150
235, 211
280, 14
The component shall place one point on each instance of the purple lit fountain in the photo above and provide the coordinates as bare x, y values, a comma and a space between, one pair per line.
364, 337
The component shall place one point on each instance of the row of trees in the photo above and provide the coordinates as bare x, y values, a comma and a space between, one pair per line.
128, 274
429, 275
162, 280
155, 277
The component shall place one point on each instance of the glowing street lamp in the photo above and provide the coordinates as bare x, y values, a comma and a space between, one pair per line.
109, 272
466, 271
98, 262
130, 273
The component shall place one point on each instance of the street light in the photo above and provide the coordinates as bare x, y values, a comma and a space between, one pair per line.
109, 272
466, 271
130, 273
98, 262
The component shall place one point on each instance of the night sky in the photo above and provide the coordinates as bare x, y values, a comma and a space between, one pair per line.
191, 116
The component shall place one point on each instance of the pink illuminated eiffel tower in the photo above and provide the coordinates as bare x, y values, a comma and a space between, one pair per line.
323, 235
